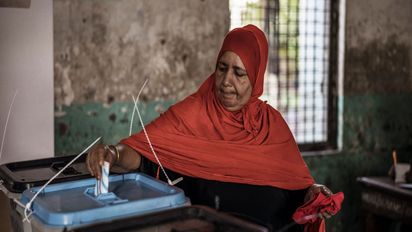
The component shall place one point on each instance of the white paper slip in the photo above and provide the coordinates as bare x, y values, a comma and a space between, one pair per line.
102, 185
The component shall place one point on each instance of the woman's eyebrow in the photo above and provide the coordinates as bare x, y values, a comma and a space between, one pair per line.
238, 68
222, 63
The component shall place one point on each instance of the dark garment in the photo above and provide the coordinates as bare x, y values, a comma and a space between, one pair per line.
265, 205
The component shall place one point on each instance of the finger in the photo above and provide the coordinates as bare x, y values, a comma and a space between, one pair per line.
326, 215
88, 162
326, 191
97, 158
110, 156
94, 160
106, 155
317, 190
99, 162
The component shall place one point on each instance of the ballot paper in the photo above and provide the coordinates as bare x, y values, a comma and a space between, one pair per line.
102, 185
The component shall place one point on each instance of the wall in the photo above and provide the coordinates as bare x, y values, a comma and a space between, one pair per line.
377, 78
104, 50
26, 65
377, 95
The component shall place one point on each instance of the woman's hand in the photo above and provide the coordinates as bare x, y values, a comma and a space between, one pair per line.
97, 155
125, 158
313, 191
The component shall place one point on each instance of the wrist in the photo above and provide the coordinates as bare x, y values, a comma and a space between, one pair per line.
114, 153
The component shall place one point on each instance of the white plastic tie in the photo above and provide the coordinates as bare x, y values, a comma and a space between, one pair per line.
7, 121
136, 108
28, 205
138, 95
175, 181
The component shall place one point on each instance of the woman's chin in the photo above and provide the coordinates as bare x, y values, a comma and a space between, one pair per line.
229, 105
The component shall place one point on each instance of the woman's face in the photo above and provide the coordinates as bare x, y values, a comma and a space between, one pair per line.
232, 85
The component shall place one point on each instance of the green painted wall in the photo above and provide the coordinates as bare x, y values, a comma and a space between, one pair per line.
104, 50
377, 112
373, 126
81, 124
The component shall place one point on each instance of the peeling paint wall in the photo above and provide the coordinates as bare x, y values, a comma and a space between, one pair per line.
377, 103
378, 74
379, 47
379, 67
104, 50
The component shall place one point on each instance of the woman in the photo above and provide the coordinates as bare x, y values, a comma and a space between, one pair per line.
235, 152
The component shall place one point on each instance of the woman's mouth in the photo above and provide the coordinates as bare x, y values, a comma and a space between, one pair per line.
227, 94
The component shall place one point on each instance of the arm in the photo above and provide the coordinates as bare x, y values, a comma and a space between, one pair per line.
127, 158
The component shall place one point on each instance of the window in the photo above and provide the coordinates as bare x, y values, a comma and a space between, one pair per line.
302, 70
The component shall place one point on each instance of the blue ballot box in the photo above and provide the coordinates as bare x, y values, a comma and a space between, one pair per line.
18, 176
72, 204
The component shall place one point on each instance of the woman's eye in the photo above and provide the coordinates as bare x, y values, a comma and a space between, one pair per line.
240, 74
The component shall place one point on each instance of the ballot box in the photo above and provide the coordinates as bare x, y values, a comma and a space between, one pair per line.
189, 218
73, 204
19, 176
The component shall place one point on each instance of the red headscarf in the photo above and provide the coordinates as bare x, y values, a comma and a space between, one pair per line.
198, 137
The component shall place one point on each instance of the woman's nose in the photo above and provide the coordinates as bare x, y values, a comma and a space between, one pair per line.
227, 78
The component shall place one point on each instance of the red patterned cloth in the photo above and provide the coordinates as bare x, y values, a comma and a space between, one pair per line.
308, 213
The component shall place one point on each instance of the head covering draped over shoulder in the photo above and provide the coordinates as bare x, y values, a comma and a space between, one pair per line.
198, 137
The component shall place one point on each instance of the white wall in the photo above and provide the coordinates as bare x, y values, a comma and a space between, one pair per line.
26, 65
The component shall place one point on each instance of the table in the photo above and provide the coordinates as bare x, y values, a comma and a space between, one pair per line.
382, 199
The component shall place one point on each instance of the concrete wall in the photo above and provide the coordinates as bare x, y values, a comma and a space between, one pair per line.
377, 102
26, 65
104, 50
378, 75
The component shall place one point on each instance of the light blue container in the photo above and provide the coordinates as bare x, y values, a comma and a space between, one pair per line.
73, 204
